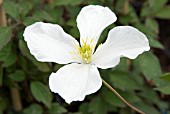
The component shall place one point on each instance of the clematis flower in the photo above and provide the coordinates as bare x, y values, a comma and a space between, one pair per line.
80, 77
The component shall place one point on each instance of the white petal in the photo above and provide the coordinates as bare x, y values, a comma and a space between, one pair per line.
49, 43
74, 81
92, 20
122, 41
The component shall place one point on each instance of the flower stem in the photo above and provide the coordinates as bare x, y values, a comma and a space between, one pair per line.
115, 92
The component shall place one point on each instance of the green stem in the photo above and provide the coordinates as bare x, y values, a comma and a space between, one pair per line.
115, 92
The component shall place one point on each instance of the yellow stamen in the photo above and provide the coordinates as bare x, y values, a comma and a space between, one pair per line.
84, 52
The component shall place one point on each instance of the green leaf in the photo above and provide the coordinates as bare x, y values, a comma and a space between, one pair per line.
149, 65
152, 24
157, 4
56, 109
74, 113
166, 76
57, 15
163, 105
17, 76
164, 89
113, 100
33, 109
97, 106
148, 109
30, 20
131, 17
155, 43
83, 108
150, 7
146, 10
5, 35
163, 13
42, 15
72, 22
44, 67
11, 8
120, 5
123, 80
148, 32
7, 56
130, 97
149, 95
41, 93
73, 12
67, 2
24, 7
123, 65
74, 32
125, 111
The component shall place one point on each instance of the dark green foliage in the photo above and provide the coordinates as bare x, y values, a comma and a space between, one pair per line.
166, 77
165, 89
33, 109
5, 34
139, 81
17, 76
41, 93
56, 109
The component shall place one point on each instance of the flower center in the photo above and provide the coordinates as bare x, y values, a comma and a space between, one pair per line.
85, 52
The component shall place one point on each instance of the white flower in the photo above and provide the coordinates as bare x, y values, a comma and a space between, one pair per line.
80, 77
